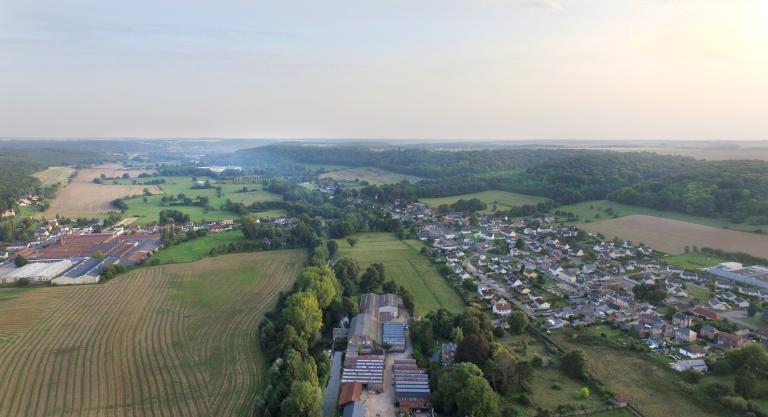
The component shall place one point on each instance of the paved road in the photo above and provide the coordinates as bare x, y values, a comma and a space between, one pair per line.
331, 394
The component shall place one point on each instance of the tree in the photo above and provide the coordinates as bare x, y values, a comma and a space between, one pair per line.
584, 392
457, 335
352, 241
333, 247
474, 348
753, 309
574, 365
373, 278
422, 336
347, 272
302, 311
502, 368
463, 391
302, 401
321, 281
745, 383
20, 261
518, 322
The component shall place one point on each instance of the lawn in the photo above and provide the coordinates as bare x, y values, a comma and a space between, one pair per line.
692, 261
196, 249
501, 200
149, 211
604, 209
698, 292
404, 264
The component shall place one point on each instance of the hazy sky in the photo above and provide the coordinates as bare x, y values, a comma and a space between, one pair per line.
527, 69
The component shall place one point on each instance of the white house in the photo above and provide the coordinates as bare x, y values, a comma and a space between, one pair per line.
697, 365
502, 308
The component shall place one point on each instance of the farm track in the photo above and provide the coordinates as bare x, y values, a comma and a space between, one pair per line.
143, 346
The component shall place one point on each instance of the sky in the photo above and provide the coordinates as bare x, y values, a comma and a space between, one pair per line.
412, 69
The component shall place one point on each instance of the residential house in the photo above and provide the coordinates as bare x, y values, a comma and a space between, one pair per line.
682, 320
729, 340
502, 308
684, 334
693, 351
708, 332
697, 365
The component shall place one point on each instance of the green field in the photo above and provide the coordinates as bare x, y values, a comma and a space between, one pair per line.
54, 175
196, 249
620, 412
692, 261
404, 264
587, 211
502, 200
373, 176
149, 211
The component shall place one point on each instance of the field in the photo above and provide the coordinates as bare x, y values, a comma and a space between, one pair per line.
149, 211
54, 175
503, 200
604, 209
671, 236
197, 249
84, 198
404, 264
701, 293
651, 388
174, 340
374, 176
692, 260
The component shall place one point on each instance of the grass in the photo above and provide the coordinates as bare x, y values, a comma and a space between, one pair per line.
692, 261
404, 264
172, 340
698, 292
196, 249
54, 175
503, 200
586, 211
654, 389
149, 211
619, 412
551, 388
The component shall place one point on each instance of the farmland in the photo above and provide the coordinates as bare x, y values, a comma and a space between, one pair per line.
174, 340
84, 198
149, 211
54, 175
596, 210
502, 200
404, 264
374, 176
196, 249
671, 236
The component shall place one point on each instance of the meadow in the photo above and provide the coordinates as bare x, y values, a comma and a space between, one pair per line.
692, 260
373, 176
598, 210
500, 200
672, 236
194, 250
54, 175
149, 211
404, 264
172, 340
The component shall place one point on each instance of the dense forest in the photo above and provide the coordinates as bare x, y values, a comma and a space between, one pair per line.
735, 190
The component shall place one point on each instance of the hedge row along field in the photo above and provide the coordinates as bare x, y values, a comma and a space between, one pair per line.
173, 340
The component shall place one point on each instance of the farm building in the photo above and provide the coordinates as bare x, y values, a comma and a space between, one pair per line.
394, 335
37, 271
412, 391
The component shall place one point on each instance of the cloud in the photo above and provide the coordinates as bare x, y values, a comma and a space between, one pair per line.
550, 6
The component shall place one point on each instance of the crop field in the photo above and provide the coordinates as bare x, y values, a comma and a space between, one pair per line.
173, 340
672, 236
598, 210
654, 390
404, 264
502, 200
149, 211
54, 175
374, 176
196, 249
84, 198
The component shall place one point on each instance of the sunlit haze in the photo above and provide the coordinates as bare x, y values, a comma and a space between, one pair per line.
528, 69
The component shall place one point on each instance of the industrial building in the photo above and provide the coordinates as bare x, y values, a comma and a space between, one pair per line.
37, 272
755, 275
412, 391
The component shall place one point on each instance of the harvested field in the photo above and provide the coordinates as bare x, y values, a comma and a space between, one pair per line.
84, 198
671, 236
374, 176
174, 340
54, 175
